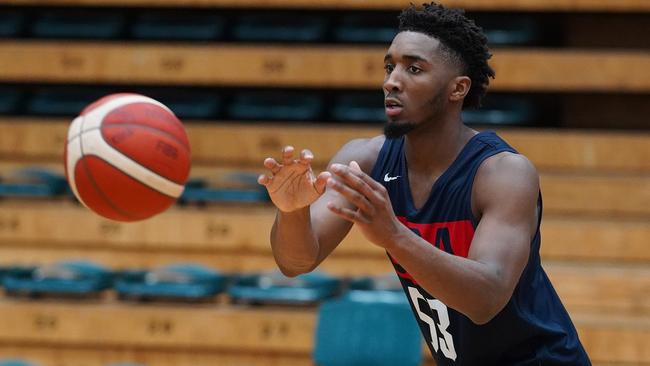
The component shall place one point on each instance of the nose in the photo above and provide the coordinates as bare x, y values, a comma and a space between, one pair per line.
392, 82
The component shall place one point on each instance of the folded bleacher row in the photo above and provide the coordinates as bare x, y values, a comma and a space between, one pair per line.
183, 282
254, 105
245, 25
197, 285
41, 183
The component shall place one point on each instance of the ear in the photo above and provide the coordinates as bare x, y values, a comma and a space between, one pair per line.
459, 88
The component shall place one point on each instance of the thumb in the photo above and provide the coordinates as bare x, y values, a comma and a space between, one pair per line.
321, 181
355, 166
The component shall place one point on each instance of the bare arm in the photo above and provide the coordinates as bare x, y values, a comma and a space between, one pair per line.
305, 232
505, 194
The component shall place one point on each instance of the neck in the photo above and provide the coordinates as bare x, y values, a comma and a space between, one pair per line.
430, 150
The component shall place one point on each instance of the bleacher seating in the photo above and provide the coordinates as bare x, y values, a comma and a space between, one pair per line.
247, 144
32, 182
64, 278
310, 80
317, 66
274, 288
179, 281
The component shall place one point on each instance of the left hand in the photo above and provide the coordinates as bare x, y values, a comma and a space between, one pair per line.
374, 214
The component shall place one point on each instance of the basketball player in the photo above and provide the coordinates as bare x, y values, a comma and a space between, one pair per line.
457, 211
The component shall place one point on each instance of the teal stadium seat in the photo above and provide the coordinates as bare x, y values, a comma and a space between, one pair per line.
10, 99
280, 27
3, 271
385, 282
234, 188
188, 104
367, 328
11, 23
179, 282
16, 362
276, 105
275, 288
166, 25
65, 278
79, 24
33, 182
509, 30
502, 110
62, 101
366, 28
358, 107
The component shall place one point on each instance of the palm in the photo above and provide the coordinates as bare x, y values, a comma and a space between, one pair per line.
293, 187
292, 184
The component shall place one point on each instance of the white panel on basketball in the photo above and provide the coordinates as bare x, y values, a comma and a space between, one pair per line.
75, 128
92, 143
73, 154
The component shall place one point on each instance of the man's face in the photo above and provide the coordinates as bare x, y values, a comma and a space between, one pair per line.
416, 82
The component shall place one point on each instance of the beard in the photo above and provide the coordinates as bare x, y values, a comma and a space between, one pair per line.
393, 130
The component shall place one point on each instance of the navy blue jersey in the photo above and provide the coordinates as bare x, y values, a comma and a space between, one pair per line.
533, 328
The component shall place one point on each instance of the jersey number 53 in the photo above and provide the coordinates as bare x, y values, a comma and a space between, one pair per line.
445, 341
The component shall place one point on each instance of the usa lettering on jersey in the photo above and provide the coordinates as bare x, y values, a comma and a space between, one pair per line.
455, 238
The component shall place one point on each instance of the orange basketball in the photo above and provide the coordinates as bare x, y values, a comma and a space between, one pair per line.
127, 157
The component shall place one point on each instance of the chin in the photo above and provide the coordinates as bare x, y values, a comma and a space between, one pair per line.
395, 128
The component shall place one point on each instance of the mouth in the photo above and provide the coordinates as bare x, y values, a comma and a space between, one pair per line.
393, 107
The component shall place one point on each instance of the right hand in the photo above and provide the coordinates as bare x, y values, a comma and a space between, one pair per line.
292, 185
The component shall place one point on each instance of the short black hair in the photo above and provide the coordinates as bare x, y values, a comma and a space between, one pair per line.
460, 38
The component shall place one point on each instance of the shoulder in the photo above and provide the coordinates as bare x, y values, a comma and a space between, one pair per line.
505, 178
514, 166
364, 151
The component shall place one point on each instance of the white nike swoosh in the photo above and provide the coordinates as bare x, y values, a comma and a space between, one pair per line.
388, 179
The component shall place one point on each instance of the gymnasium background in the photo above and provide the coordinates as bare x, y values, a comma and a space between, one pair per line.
248, 77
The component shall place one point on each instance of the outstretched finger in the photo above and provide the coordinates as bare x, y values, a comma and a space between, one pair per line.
272, 165
306, 157
264, 179
287, 155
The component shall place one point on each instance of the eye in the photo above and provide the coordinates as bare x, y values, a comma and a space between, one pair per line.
414, 69
389, 68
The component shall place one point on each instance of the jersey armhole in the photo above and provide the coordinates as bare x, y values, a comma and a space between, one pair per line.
494, 151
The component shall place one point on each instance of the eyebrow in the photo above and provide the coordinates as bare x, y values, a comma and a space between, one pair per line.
408, 57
